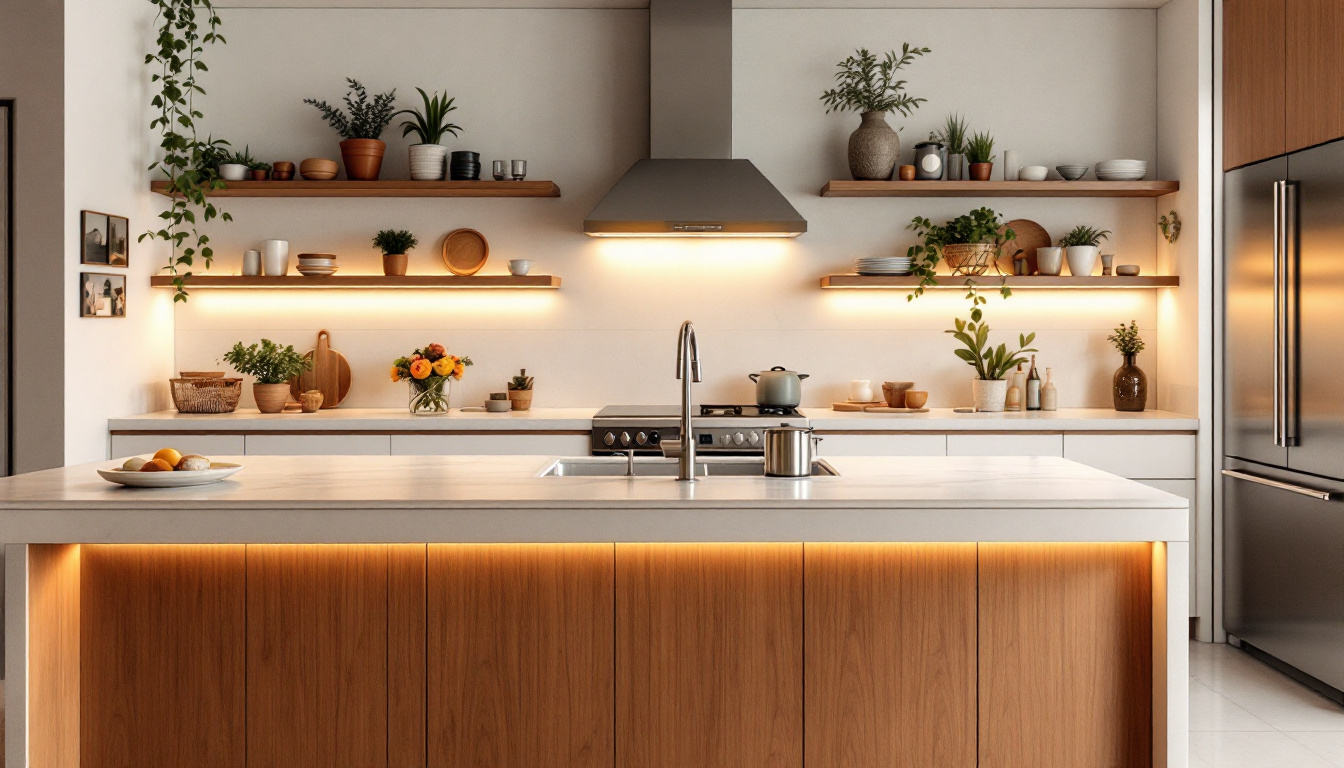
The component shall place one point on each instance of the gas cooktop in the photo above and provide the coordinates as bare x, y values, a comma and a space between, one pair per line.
733, 430
617, 412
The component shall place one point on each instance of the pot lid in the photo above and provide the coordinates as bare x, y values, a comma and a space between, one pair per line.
786, 427
779, 369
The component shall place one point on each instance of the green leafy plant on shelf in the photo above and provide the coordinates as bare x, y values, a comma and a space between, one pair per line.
241, 158
952, 135
257, 165
1126, 339
394, 241
431, 124
521, 382
981, 225
212, 154
990, 363
361, 118
980, 148
1084, 235
267, 362
865, 84
184, 28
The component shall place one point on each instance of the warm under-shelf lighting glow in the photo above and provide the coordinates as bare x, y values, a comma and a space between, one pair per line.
424, 304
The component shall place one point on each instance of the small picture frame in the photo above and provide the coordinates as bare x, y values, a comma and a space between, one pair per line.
93, 236
118, 241
102, 295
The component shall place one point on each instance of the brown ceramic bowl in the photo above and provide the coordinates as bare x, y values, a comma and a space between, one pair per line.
915, 398
894, 392
282, 166
318, 169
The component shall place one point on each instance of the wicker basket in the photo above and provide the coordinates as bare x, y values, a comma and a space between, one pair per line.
970, 258
206, 395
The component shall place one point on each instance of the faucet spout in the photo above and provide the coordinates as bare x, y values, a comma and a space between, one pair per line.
688, 372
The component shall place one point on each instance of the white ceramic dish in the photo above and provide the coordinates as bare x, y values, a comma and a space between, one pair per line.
217, 471
1032, 173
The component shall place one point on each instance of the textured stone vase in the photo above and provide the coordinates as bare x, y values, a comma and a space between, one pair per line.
873, 148
1129, 389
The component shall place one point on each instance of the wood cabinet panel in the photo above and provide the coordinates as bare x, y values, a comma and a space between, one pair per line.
406, 660
709, 655
1314, 94
162, 656
890, 655
520, 642
317, 655
53, 655
1254, 76
1065, 655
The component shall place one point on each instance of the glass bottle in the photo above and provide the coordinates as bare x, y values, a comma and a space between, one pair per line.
1014, 400
1033, 387
1049, 395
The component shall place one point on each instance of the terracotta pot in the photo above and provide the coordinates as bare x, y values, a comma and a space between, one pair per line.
521, 399
873, 148
271, 398
257, 175
363, 158
1129, 388
981, 171
394, 264
989, 395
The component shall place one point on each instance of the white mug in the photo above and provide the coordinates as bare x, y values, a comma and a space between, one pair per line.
252, 262
861, 391
275, 257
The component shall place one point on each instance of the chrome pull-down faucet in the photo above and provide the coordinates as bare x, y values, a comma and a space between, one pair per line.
688, 372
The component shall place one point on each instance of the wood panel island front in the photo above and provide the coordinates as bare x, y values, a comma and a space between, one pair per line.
457, 612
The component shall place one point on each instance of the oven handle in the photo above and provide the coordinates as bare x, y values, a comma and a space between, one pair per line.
1301, 490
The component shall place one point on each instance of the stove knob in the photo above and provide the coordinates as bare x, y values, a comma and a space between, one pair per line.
625, 438
725, 438
739, 438
754, 438
641, 439
655, 438
609, 439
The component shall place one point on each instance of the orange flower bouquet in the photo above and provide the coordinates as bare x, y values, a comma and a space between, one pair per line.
430, 371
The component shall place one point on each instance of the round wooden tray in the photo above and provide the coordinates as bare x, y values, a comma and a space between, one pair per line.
1030, 236
465, 251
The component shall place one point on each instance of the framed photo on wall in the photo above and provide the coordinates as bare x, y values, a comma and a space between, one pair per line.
118, 241
93, 238
102, 295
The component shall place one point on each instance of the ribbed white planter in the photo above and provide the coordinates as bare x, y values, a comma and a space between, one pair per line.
989, 395
427, 161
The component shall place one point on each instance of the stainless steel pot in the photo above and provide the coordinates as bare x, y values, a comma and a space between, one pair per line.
778, 386
789, 451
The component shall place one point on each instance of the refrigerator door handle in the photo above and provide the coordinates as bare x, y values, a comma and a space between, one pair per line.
1301, 490
1280, 224
1289, 258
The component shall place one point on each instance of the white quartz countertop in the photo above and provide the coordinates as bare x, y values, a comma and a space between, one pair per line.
501, 499
580, 420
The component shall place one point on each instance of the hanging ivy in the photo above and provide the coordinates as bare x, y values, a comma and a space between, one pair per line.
185, 27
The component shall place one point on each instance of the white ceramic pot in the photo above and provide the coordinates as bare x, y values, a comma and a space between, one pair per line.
1050, 260
989, 395
427, 161
275, 258
232, 171
1082, 259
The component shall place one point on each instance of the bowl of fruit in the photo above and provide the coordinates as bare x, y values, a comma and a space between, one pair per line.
169, 469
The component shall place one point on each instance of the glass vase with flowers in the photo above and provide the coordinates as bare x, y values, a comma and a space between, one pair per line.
430, 372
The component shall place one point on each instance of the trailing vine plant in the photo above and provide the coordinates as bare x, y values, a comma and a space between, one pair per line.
185, 28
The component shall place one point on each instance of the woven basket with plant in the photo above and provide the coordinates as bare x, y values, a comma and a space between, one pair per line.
970, 258
969, 244
206, 395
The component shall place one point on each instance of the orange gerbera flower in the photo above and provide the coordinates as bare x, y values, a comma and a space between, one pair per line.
421, 368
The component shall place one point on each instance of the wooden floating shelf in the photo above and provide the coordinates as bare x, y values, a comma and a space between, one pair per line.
993, 281
398, 188
196, 282
842, 188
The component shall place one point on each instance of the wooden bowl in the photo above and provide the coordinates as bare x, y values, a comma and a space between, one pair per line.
318, 169
465, 251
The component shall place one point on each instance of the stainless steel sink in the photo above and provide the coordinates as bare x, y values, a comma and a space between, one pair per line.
746, 466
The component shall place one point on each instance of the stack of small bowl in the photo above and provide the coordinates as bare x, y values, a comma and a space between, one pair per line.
317, 264
465, 166
318, 169
1122, 170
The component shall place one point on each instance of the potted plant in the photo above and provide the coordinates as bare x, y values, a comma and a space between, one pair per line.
272, 366
980, 153
210, 155
991, 364
1129, 387
236, 164
394, 244
427, 157
1080, 248
969, 244
868, 87
361, 128
953, 136
258, 171
520, 391
430, 371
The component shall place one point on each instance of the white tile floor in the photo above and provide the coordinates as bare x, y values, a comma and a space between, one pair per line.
1243, 714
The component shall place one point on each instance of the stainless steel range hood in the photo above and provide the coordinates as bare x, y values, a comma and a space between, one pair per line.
692, 187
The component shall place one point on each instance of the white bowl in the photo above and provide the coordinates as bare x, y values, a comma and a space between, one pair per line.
1032, 173
520, 267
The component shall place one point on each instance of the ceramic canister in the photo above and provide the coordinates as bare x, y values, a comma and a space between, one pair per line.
275, 257
252, 262
928, 161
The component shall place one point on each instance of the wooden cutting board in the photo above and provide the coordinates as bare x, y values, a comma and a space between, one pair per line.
884, 409
330, 374
855, 407
1030, 236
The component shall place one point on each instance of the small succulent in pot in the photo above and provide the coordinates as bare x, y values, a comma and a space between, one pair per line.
1081, 247
953, 136
869, 86
430, 126
258, 171
394, 244
361, 125
272, 366
980, 155
520, 391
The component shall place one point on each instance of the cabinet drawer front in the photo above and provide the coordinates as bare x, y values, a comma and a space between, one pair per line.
205, 445
1005, 445
490, 445
318, 445
883, 445
1135, 456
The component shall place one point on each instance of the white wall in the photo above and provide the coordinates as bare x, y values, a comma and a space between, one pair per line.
567, 90
114, 366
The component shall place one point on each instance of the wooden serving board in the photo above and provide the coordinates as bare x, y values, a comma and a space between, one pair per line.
1030, 236
330, 374
855, 407
885, 409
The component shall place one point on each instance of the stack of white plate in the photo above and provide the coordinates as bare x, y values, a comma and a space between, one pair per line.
1121, 170
884, 265
317, 264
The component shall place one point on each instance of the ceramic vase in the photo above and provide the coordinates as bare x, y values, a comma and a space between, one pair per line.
363, 158
873, 148
956, 167
1129, 388
989, 395
271, 398
427, 161
1082, 259
275, 258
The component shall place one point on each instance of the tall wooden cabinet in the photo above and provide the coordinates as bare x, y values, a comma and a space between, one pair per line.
1281, 85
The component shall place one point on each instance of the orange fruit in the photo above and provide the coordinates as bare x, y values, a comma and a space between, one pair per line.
170, 456
156, 465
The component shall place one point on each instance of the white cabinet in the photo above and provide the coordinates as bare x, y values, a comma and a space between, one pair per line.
1135, 456
494, 445
205, 445
883, 445
280, 444
1023, 444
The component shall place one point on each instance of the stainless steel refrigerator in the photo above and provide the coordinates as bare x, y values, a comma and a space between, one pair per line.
1283, 412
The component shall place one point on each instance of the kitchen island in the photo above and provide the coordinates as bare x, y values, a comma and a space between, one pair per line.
460, 611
